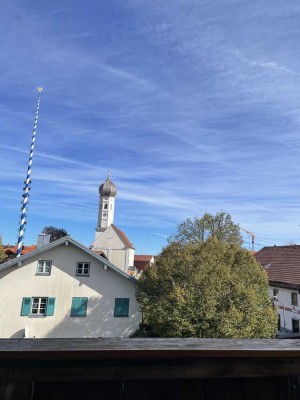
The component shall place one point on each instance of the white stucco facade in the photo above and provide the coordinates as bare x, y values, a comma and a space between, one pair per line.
105, 213
101, 288
287, 311
113, 246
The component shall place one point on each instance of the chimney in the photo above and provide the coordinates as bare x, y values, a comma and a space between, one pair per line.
43, 240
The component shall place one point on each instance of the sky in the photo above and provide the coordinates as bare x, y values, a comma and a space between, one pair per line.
193, 105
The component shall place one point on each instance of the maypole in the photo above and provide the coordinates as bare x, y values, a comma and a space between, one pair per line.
28, 181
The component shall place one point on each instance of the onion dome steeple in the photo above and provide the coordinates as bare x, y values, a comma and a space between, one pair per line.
108, 188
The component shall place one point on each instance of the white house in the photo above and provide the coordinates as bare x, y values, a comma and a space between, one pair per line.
282, 264
64, 290
109, 239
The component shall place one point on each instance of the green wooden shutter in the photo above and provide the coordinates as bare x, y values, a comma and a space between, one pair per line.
25, 310
50, 306
79, 306
121, 307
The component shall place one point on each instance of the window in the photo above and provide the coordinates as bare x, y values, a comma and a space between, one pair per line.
279, 323
294, 296
38, 306
44, 267
295, 325
105, 206
79, 306
275, 293
83, 269
121, 307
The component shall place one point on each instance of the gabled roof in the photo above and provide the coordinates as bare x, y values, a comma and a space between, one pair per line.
282, 264
56, 243
123, 237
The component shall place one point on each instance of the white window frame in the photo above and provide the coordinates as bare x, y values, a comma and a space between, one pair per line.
39, 304
292, 302
85, 268
43, 265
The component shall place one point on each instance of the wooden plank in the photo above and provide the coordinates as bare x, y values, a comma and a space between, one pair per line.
139, 348
78, 391
16, 391
233, 389
133, 370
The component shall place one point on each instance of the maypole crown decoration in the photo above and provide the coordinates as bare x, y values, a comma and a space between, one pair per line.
25, 196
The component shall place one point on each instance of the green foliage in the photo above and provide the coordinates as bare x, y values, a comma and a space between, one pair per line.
208, 289
56, 233
2, 254
220, 226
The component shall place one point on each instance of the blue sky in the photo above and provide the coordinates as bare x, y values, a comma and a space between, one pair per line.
193, 105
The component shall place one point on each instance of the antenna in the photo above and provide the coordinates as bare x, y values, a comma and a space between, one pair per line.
252, 237
26, 188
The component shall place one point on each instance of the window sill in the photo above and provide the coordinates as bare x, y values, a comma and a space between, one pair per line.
121, 316
77, 316
37, 316
42, 274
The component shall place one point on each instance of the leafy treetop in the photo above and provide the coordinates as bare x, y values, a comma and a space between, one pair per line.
56, 233
220, 226
209, 289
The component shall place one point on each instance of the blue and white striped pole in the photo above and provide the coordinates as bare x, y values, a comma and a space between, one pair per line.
28, 181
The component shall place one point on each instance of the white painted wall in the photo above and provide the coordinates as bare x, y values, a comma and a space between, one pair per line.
106, 211
291, 312
101, 288
113, 247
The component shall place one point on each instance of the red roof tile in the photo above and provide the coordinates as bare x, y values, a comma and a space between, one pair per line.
142, 262
142, 257
13, 249
123, 236
100, 253
282, 263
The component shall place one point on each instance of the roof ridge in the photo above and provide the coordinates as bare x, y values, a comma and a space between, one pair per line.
123, 236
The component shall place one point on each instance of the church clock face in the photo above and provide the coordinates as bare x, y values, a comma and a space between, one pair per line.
104, 214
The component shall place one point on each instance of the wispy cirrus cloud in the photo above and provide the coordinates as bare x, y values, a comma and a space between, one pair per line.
191, 109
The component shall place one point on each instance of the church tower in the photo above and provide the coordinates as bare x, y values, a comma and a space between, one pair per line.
107, 194
110, 241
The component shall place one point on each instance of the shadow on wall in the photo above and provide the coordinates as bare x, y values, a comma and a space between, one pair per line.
99, 322
19, 334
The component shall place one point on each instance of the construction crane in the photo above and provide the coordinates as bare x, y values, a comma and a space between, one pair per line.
252, 237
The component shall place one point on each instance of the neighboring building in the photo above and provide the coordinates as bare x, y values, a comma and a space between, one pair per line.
64, 290
11, 251
141, 262
282, 264
109, 238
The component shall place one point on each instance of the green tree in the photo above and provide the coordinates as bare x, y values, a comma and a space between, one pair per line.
209, 289
220, 226
2, 254
56, 233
